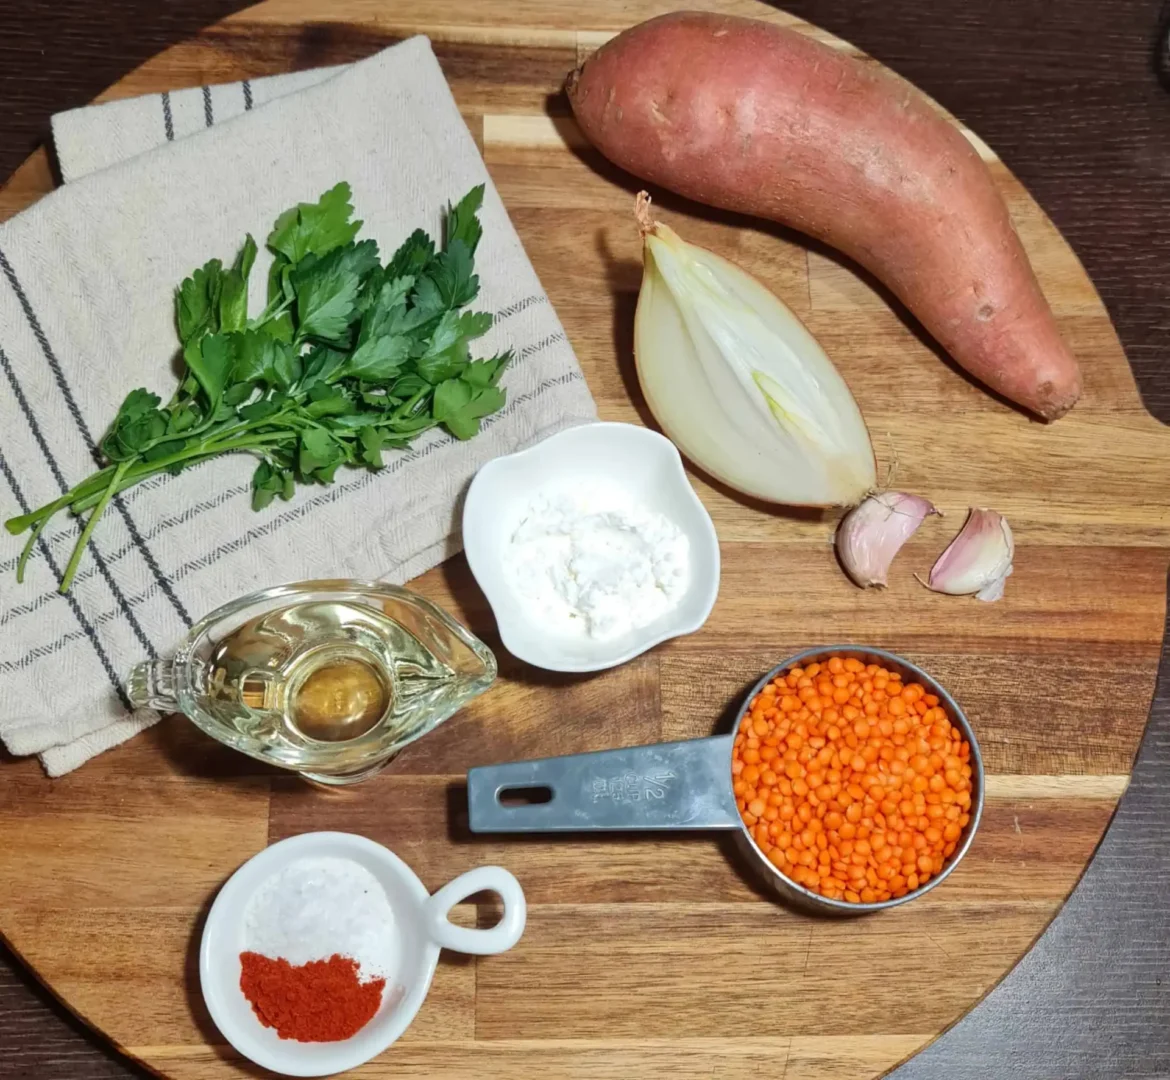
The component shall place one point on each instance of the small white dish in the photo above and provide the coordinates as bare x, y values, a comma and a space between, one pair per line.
422, 925
648, 466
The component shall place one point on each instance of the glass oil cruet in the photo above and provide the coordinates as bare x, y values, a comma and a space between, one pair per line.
328, 678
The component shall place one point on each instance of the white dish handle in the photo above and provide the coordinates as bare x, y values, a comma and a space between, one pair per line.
500, 937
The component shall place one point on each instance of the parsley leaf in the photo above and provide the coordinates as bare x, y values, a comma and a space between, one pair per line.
197, 301
280, 328
233, 301
233, 295
378, 360
463, 221
325, 300
445, 365
315, 228
211, 360
287, 368
255, 357
322, 366
319, 450
387, 313
451, 273
327, 401
416, 251
459, 407
269, 481
481, 373
372, 440
259, 410
246, 258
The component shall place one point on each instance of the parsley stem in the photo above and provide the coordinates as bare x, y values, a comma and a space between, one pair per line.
85, 494
210, 449
28, 547
192, 456
408, 407
270, 313
87, 532
42, 514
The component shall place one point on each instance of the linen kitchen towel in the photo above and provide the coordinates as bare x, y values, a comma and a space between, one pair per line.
87, 277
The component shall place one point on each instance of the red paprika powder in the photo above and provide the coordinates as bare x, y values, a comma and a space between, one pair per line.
321, 1001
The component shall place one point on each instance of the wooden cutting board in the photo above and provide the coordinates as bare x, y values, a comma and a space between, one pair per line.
657, 956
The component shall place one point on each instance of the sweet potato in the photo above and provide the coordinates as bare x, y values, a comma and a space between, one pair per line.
755, 118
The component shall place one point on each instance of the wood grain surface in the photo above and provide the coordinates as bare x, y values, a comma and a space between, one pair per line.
1057, 679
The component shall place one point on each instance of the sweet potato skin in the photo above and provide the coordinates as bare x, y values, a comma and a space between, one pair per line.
751, 117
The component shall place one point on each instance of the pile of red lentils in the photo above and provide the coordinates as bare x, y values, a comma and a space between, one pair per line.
853, 784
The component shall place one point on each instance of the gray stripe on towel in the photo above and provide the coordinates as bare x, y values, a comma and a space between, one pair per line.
82, 621
75, 412
518, 306
99, 560
168, 119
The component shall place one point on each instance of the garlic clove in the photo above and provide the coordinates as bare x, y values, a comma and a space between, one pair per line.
978, 560
873, 532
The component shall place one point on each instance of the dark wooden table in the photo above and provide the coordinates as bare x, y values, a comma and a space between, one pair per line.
1070, 96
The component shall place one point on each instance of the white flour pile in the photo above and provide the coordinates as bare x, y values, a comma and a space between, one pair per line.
589, 562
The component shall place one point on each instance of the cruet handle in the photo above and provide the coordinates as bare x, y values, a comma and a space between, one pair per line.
154, 685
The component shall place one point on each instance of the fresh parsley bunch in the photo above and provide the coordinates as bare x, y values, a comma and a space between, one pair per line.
350, 357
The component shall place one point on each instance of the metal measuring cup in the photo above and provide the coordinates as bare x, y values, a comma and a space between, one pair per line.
684, 786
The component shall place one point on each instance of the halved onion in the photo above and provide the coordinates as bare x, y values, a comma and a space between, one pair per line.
739, 384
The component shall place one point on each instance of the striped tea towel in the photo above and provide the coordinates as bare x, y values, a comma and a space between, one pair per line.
157, 186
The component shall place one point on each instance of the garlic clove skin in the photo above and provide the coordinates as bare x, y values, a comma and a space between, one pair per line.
994, 591
873, 532
978, 560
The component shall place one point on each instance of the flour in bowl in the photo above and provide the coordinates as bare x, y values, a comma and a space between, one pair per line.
588, 561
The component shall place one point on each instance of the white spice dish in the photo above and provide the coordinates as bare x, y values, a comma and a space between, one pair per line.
591, 547
420, 928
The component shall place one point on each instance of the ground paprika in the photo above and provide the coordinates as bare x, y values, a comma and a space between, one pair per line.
321, 1001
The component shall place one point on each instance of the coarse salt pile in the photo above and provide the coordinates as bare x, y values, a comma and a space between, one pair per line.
315, 908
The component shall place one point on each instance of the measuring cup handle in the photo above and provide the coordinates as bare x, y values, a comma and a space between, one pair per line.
679, 785
500, 937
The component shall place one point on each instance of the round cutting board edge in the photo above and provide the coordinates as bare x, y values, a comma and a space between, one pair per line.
166, 791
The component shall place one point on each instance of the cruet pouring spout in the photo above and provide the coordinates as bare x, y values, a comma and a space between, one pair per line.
154, 685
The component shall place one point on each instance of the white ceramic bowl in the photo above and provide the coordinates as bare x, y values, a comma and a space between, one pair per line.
649, 468
421, 923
